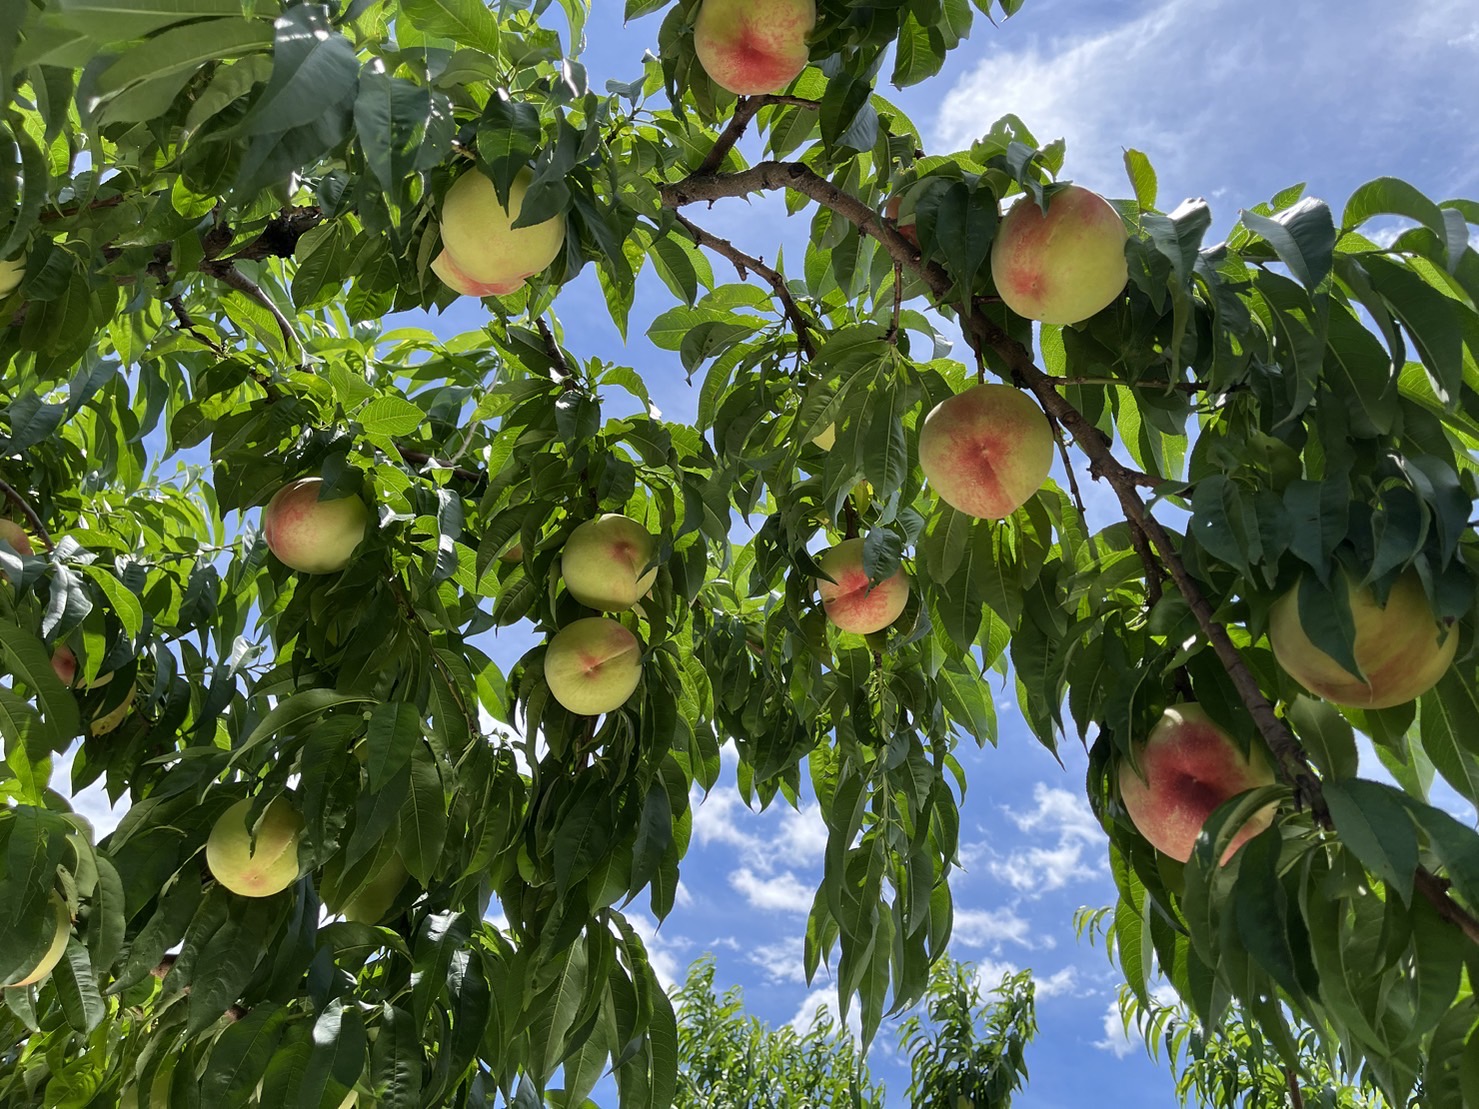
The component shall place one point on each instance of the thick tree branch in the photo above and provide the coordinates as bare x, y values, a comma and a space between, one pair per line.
745, 262
982, 333
32, 516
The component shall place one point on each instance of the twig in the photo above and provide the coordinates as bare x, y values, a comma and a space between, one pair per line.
1157, 386
744, 111
243, 284
893, 328
563, 372
29, 513
421, 458
1296, 1099
745, 262
177, 305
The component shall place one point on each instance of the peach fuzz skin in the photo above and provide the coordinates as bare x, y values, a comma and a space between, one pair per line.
1400, 649
310, 535
750, 47
593, 665
1190, 767
848, 601
986, 451
604, 560
483, 254
1062, 267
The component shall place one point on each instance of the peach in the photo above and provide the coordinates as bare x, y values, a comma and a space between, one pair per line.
482, 253
1190, 766
311, 535
906, 230
58, 946
263, 868
16, 536
11, 272
605, 562
64, 663
1064, 266
753, 46
850, 600
986, 451
371, 903
593, 665
1400, 649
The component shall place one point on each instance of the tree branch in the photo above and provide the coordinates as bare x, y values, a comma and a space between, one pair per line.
744, 111
981, 333
421, 458
243, 284
745, 262
32, 517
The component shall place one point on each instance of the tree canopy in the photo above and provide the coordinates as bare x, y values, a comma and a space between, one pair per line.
215, 217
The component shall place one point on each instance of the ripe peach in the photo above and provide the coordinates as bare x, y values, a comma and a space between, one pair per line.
986, 451
906, 230
261, 870
1190, 767
850, 600
593, 665
604, 560
483, 254
16, 536
58, 946
64, 663
753, 46
1064, 266
1401, 650
310, 535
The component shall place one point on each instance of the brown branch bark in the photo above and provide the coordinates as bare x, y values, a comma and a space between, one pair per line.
745, 262
981, 333
243, 284
32, 516
1296, 1099
744, 112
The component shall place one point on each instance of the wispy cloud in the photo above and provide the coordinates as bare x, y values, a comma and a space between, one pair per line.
783, 893
1064, 819
992, 928
1221, 94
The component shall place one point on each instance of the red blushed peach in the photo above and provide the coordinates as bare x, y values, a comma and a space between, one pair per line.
605, 562
753, 46
1064, 266
16, 536
1401, 649
593, 665
310, 535
906, 230
64, 662
1190, 767
986, 451
483, 253
850, 600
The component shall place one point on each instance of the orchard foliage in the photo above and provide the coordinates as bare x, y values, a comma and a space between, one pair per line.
219, 204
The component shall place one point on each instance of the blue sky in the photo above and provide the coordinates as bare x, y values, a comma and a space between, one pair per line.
1231, 101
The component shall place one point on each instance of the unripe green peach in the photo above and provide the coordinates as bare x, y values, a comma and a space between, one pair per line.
58, 946
753, 46
1401, 649
310, 535
11, 272
1190, 767
261, 870
483, 254
604, 560
593, 665
986, 451
370, 904
1064, 266
850, 600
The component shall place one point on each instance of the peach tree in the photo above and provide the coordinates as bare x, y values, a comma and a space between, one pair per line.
208, 212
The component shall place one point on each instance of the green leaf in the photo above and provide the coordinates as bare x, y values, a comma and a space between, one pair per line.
240, 1055
390, 416
1374, 824
1303, 236
297, 711
465, 22
1142, 178
314, 71
121, 20
423, 818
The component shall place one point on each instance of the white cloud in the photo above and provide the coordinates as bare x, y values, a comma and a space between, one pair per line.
990, 972
1158, 75
825, 997
91, 802
1068, 821
668, 953
991, 928
1058, 984
1119, 1040
783, 893
780, 837
782, 961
